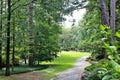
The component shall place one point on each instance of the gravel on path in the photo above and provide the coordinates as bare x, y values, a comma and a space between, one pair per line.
75, 72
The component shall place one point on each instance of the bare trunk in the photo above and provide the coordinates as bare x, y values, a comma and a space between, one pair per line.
8, 40
31, 42
112, 16
25, 58
1, 35
13, 47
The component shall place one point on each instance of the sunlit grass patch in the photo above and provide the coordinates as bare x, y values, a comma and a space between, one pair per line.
65, 60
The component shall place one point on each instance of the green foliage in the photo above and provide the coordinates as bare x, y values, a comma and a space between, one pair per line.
102, 28
118, 34
44, 33
104, 70
46, 41
99, 39
65, 39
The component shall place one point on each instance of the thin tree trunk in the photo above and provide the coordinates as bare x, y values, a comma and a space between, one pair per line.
112, 17
13, 47
1, 35
25, 60
8, 40
31, 42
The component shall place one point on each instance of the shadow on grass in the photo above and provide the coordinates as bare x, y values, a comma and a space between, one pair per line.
24, 69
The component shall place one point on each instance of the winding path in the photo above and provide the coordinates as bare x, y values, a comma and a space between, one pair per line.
75, 72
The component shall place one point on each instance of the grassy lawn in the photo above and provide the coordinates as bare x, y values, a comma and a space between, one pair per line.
65, 61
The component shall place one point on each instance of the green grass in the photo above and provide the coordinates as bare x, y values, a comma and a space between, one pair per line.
65, 61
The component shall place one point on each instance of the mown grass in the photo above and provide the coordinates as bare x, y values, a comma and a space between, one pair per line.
65, 61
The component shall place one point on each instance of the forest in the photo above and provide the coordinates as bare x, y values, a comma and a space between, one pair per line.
32, 31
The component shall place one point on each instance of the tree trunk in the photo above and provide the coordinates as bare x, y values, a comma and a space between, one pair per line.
25, 60
104, 20
13, 47
1, 35
112, 17
104, 15
31, 42
8, 40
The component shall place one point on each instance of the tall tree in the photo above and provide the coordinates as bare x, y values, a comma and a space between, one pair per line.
1, 12
104, 15
112, 16
8, 39
31, 40
13, 44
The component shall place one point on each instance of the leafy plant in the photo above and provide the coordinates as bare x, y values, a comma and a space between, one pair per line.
106, 69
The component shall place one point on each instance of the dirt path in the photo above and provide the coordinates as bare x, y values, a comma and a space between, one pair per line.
75, 72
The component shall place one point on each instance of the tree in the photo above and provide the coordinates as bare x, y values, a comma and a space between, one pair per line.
31, 43
1, 13
8, 39
26, 30
104, 15
113, 17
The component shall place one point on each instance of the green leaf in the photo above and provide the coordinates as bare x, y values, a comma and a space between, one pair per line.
118, 34
113, 48
107, 77
115, 65
111, 57
105, 45
102, 28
